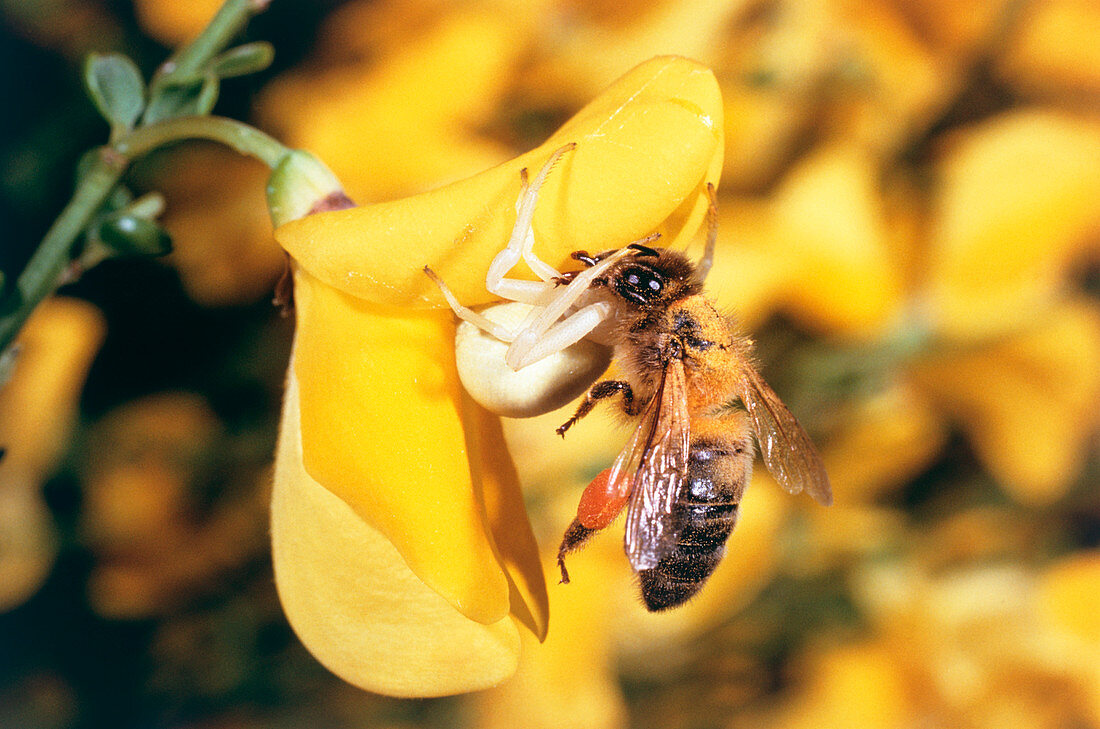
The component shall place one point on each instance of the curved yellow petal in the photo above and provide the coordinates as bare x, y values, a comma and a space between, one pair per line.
645, 149
382, 428
356, 606
1028, 402
37, 409
569, 680
1019, 198
506, 515
1067, 595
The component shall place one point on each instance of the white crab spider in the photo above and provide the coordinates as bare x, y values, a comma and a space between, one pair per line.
545, 347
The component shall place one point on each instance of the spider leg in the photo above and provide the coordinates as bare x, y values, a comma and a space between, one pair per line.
532, 343
499, 331
522, 241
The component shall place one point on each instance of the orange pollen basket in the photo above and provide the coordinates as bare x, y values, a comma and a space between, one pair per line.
600, 504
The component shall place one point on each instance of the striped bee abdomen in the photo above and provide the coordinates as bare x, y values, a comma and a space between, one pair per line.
704, 515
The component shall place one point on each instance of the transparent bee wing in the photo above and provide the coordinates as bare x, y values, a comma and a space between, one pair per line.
788, 452
660, 473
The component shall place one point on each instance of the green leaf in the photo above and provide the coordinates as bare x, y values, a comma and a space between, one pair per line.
116, 88
249, 58
130, 235
190, 99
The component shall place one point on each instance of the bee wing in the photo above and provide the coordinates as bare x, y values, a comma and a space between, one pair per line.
788, 452
662, 467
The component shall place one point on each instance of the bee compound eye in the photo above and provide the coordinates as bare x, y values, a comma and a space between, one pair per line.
639, 284
534, 390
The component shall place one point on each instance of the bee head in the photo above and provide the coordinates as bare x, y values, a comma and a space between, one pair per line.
652, 277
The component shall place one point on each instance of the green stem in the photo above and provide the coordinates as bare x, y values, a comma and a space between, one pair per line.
44, 271
237, 135
46, 267
188, 61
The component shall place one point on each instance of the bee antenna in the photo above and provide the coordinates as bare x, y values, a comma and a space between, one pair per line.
703, 267
644, 250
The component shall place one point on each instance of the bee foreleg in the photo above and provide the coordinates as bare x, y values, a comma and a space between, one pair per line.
601, 391
575, 537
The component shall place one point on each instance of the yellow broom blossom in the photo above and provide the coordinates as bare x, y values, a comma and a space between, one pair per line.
402, 549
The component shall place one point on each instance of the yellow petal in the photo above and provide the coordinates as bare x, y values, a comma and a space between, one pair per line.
1019, 197
831, 224
1054, 49
382, 429
569, 680
37, 405
853, 686
401, 124
645, 149
1068, 595
354, 603
37, 408
1028, 403
506, 515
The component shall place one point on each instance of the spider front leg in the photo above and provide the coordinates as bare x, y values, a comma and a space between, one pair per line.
521, 244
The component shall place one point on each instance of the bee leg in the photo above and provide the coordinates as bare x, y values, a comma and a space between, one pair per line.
600, 391
575, 537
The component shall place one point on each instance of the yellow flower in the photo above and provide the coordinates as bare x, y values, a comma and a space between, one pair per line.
408, 121
821, 248
1027, 402
37, 409
174, 23
1017, 203
402, 549
222, 239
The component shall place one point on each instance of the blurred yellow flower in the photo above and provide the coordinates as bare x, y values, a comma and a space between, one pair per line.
408, 121
175, 23
37, 410
377, 437
1017, 203
222, 245
980, 646
158, 544
821, 248
1027, 402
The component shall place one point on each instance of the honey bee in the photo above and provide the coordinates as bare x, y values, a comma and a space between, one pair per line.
691, 383
688, 380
